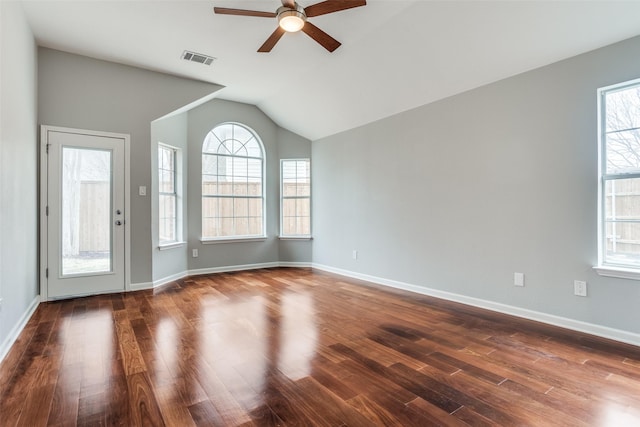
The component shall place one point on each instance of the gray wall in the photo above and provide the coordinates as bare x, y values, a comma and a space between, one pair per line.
18, 169
171, 130
278, 144
460, 194
80, 92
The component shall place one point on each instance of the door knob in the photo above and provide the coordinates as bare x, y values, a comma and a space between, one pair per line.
118, 222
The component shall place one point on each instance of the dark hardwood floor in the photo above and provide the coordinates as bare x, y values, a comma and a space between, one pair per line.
303, 347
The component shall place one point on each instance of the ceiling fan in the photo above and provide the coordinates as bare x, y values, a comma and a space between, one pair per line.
292, 17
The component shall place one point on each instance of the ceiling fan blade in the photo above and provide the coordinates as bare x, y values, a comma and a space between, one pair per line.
321, 37
242, 12
291, 4
331, 6
272, 40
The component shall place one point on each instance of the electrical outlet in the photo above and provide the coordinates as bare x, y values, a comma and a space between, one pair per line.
194, 253
354, 254
518, 279
580, 288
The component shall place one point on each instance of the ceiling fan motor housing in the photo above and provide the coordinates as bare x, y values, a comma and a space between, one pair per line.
290, 19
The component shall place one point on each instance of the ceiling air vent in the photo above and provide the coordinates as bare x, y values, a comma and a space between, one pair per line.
197, 57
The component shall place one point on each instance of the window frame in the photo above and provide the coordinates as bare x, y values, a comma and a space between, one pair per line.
236, 238
604, 267
177, 197
282, 235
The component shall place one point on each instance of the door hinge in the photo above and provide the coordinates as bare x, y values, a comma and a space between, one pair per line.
47, 148
46, 273
46, 210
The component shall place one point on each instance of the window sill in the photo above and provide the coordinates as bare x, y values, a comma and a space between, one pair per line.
619, 272
172, 245
295, 237
233, 240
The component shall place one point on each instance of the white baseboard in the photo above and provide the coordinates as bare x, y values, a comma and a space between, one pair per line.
213, 270
168, 279
563, 322
295, 264
18, 328
141, 286
159, 282
230, 268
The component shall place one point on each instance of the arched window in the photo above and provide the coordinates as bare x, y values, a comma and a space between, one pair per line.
232, 183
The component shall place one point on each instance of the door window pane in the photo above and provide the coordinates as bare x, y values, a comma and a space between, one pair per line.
86, 244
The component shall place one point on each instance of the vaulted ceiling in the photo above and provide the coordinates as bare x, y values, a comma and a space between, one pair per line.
395, 54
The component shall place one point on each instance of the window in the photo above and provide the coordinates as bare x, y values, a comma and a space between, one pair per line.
232, 184
295, 198
620, 176
168, 223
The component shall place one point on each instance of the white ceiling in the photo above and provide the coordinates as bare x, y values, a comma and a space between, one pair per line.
395, 54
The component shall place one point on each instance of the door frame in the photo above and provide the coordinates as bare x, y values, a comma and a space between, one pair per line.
44, 196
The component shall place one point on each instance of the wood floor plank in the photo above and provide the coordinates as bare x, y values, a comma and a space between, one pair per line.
436, 416
331, 382
469, 417
374, 412
225, 404
545, 400
329, 405
500, 397
204, 414
428, 393
468, 367
9, 369
301, 347
142, 402
129, 347
118, 396
93, 409
174, 411
385, 355
423, 384
371, 384
64, 406
37, 406
285, 410
500, 368
297, 411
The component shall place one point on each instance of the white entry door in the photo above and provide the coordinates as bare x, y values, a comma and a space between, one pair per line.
85, 220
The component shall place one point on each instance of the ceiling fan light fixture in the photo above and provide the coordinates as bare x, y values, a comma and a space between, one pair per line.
291, 20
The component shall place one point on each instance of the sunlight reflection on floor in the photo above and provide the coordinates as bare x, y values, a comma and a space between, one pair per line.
298, 335
615, 415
